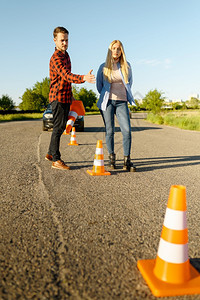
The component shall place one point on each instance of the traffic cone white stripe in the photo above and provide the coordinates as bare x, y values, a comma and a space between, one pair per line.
98, 162
73, 114
99, 150
73, 138
173, 253
70, 123
175, 219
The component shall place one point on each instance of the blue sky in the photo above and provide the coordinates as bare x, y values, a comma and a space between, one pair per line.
160, 38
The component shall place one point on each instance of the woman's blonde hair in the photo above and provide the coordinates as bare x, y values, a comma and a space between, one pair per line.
107, 71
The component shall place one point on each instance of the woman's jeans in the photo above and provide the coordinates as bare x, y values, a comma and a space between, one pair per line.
60, 114
120, 109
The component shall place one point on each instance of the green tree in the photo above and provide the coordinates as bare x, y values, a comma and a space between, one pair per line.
136, 107
6, 102
184, 106
87, 97
42, 88
75, 92
176, 106
37, 97
194, 103
32, 101
153, 101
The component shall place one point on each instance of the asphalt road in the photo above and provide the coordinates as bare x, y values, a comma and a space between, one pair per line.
68, 235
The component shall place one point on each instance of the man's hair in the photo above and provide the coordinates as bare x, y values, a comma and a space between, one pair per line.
59, 29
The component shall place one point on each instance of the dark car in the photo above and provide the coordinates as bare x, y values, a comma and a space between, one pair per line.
48, 120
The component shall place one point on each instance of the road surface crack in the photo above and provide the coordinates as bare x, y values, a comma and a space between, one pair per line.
45, 197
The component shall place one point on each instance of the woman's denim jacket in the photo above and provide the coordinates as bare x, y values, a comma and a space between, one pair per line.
103, 87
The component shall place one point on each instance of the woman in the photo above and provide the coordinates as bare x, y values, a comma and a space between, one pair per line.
114, 80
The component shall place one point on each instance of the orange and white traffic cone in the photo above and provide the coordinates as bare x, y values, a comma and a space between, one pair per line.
98, 166
171, 273
76, 109
73, 138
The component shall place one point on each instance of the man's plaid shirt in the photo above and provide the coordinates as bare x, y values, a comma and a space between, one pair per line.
61, 77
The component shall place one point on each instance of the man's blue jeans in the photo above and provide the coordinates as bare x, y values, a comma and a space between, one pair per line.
120, 109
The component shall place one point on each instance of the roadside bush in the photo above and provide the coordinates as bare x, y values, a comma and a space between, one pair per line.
169, 119
94, 108
155, 118
184, 121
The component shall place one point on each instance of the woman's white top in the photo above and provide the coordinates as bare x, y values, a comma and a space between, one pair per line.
117, 88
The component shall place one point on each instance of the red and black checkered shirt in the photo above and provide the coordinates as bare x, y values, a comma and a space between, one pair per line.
61, 77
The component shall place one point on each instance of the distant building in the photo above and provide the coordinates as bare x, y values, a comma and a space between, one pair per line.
174, 101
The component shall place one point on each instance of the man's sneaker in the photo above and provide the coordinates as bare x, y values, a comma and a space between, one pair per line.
59, 164
49, 157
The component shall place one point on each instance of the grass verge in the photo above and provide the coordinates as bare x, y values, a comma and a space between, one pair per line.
20, 117
186, 121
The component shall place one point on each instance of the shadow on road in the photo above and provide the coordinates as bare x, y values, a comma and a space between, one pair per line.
195, 262
155, 163
94, 129
147, 164
117, 129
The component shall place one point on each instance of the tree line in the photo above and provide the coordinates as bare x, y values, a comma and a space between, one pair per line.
37, 98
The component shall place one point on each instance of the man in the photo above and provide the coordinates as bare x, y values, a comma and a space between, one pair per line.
60, 95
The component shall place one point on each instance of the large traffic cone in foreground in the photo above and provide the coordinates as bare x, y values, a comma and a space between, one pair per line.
76, 109
98, 166
73, 138
171, 273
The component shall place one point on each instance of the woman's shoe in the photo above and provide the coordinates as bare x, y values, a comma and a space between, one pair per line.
112, 158
128, 166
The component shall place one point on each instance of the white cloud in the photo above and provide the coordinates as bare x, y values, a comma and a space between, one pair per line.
166, 63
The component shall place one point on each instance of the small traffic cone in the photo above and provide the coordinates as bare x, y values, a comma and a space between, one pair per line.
73, 138
171, 273
98, 166
76, 109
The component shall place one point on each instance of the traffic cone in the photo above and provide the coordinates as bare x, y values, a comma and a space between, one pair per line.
76, 109
98, 166
171, 273
73, 138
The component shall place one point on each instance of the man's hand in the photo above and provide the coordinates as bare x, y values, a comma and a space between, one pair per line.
89, 77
